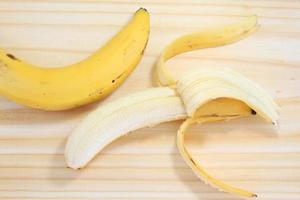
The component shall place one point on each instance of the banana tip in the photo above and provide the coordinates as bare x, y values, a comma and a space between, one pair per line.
142, 9
73, 167
71, 164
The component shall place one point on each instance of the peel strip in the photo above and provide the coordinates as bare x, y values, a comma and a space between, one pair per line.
211, 37
197, 169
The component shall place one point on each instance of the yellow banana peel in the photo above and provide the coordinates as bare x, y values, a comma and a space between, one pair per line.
211, 37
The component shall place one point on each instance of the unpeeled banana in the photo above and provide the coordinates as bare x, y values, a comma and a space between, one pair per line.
199, 96
78, 84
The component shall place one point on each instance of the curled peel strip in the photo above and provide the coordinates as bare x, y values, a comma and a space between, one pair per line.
211, 37
199, 96
198, 170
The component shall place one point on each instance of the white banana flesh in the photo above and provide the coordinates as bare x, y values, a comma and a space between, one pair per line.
200, 86
111, 121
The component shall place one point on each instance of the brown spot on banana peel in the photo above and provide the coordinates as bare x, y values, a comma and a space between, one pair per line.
119, 76
192, 160
12, 57
98, 91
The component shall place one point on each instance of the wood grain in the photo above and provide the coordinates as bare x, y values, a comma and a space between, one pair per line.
146, 164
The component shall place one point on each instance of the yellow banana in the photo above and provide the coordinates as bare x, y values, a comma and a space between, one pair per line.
78, 84
204, 95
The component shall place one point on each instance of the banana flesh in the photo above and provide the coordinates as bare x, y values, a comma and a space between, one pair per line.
111, 121
200, 86
199, 96
81, 83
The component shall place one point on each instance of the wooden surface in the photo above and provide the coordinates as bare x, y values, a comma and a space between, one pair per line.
146, 163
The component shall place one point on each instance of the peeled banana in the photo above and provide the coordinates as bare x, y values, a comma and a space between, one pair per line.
112, 120
199, 96
215, 94
78, 84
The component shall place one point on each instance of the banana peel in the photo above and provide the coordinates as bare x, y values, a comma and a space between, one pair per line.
211, 37
200, 171
215, 94
209, 97
199, 96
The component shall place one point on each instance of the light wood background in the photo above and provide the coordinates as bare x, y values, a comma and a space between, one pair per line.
146, 164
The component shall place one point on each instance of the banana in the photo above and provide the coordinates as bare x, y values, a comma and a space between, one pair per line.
199, 96
111, 121
78, 84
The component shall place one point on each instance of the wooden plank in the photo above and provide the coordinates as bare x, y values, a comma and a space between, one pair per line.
146, 164
138, 185
165, 174
155, 143
208, 160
